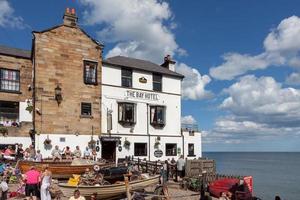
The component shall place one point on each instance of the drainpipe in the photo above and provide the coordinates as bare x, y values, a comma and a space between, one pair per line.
148, 131
182, 135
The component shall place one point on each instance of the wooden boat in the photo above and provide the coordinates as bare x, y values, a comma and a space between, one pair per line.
108, 191
60, 170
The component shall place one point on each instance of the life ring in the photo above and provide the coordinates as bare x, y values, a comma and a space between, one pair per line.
96, 168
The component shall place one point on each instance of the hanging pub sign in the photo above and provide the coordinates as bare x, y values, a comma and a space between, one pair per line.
141, 95
158, 153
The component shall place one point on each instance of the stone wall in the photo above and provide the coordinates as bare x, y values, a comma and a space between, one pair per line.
58, 57
25, 68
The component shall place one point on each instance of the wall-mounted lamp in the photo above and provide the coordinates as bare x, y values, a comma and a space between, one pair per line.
76, 133
58, 96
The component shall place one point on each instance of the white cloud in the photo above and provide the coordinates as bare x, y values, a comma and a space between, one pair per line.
293, 79
141, 29
7, 17
189, 119
193, 85
257, 108
282, 47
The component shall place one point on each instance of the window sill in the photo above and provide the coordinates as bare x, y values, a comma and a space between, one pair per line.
191, 155
124, 123
9, 91
155, 125
86, 116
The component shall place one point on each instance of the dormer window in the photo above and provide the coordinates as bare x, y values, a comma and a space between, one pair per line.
157, 82
90, 72
126, 78
157, 118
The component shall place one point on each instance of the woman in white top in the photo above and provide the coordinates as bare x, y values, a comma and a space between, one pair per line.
46, 182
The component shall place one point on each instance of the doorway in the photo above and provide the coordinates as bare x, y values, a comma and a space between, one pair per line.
108, 151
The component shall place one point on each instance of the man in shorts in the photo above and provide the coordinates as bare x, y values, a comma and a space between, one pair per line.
32, 183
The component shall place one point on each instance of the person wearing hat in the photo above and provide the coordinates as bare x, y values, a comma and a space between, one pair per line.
32, 183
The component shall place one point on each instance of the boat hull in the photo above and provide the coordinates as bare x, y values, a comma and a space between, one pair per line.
108, 191
60, 170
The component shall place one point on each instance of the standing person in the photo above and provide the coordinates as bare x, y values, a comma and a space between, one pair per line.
94, 154
164, 172
20, 152
26, 154
180, 167
68, 153
31, 152
46, 182
77, 152
38, 156
76, 196
4, 188
56, 154
86, 153
32, 183
94, 196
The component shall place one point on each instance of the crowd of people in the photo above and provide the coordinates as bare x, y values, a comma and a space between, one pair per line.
57, 154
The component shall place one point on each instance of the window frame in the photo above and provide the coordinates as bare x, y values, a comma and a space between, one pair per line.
193, 151
17, 113
126, 77
156, 124
157, 82
81, 110
123, 121
171, 150
15, 81
145, 148
85, 72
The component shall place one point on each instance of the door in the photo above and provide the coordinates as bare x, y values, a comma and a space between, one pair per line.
108, 151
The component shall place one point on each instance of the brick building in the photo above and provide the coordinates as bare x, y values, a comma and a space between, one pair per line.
61, 76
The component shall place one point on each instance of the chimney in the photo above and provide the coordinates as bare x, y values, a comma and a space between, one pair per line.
70, 18
169, 63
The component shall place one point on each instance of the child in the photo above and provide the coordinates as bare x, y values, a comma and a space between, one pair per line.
38, 156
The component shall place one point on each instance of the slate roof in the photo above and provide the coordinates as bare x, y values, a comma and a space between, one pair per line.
137, 64
9, 51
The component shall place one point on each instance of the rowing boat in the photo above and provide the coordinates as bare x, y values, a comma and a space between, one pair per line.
108, 191
59, 169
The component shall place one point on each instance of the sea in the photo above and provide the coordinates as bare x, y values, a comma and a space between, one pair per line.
274, 173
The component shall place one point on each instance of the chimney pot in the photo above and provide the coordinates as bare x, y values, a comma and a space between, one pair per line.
70, 18
73, 11
67, 10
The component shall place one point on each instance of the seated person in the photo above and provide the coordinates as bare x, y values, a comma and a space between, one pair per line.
56, 154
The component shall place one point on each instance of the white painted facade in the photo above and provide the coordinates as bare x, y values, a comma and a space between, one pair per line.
142, 131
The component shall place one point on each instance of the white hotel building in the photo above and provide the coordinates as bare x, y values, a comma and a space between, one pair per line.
141, 105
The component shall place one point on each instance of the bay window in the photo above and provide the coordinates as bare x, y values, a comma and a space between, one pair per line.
157, 116
126, 113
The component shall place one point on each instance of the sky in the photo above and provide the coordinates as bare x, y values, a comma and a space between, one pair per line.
240, 58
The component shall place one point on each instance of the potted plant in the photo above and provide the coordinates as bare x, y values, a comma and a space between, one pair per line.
126, 144
156, 144
47, 143
92, 143
4, 131
29, 107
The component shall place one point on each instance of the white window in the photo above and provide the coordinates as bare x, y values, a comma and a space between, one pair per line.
126, 113
157, 116
9, 80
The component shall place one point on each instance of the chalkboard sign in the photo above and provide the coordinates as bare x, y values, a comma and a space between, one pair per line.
158, 153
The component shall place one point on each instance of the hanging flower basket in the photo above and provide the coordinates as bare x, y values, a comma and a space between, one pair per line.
29, 108
156, 144
4, 131
47, 143
126, 144
92, 144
